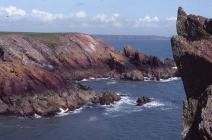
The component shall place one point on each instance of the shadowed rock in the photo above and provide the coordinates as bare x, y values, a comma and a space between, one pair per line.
192, 50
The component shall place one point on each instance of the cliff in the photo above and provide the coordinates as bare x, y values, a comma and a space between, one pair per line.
39, 70
192, 50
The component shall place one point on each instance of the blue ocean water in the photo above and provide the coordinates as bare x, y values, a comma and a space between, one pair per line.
156, 47
157, 120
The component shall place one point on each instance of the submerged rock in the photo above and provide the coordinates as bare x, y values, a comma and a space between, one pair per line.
143, 100
192, 50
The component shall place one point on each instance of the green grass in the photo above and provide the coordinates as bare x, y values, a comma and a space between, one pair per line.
50, 37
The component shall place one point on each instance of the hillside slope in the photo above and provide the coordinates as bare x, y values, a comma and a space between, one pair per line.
38, 71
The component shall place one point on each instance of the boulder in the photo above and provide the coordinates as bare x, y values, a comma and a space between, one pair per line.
134, 75
169, 62
129, 51
143, 100
106, 98
139, 56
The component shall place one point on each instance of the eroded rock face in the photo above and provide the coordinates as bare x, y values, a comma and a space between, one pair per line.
150, 66
192, 50
38, 71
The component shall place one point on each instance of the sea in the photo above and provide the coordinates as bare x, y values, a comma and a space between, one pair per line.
158, 120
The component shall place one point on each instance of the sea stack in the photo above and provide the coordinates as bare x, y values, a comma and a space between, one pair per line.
192, 51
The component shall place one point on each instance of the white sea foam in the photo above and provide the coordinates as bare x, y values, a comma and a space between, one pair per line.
111, 82
125, 105
63, 112
37, 116
163, 80
92, 78
169, 79
77, 111
174, 68
153, 104
83, 80
104, 78
67, 112
147, 79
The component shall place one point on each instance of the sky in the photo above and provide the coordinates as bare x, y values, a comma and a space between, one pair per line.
118, 17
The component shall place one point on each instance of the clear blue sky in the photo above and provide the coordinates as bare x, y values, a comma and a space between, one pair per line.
137, 17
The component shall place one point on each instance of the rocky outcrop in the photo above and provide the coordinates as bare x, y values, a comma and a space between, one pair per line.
134, 75
143, 100
38, 71
169, 62
106, 98
150, 66
192, 50
51, 103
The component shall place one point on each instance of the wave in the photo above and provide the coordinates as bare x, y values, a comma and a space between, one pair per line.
112, 82
146, 79
104, 78
84, 80
77, 111
153, 104
174, 68
37, 116
125, 105
170, 79
96, 79
63, 112
92, 78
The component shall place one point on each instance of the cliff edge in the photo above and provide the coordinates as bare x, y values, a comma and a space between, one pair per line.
39, 71
192, 51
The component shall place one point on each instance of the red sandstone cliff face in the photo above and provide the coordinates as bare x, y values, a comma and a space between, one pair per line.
38, 71
192, 49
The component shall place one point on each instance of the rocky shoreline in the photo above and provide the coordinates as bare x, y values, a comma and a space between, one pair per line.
38, 71
52, 102
192, 50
